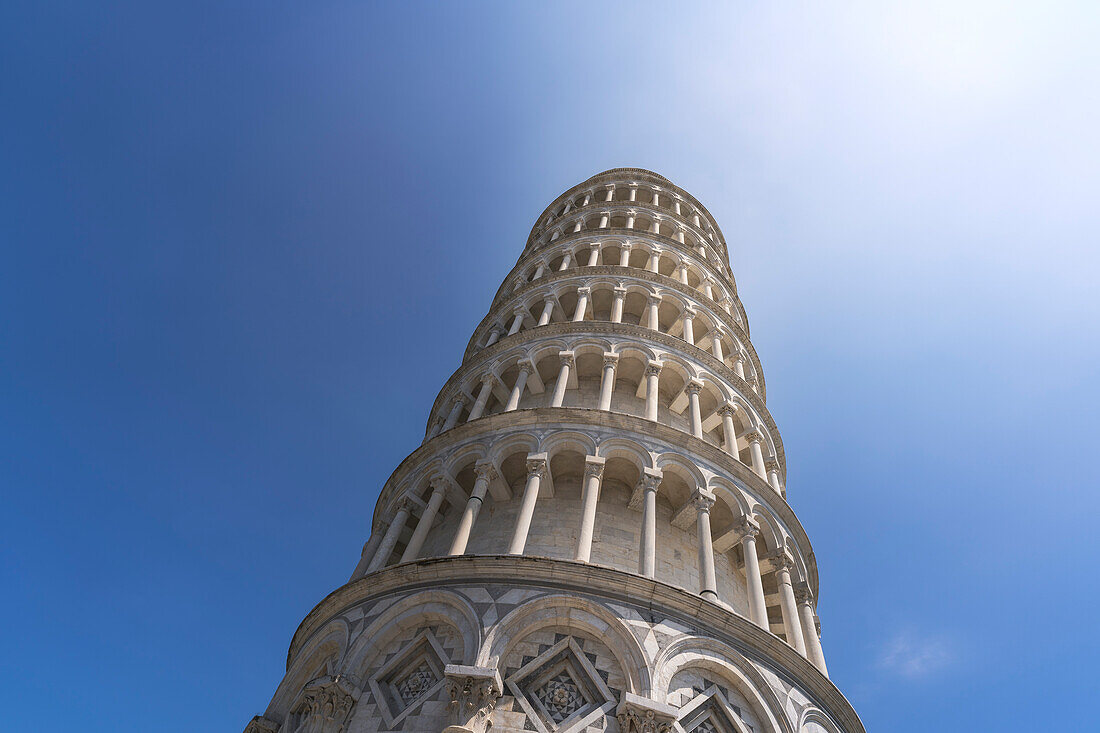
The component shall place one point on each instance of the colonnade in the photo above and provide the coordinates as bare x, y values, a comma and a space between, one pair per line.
646, 196
683, 327
798, 617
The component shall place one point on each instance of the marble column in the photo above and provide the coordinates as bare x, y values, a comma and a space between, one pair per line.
525, 369
624, 251
482, 397
517, 322
756, 453
689, 325
652, 384
590, 496
652, 320
494, 336
617, 305
369, 548
739, 364
594, 255
536, 470
607, 380
693, 388
814, 653
791, 625
485, 472
772, 467
393, 534
455, 413
439, 491
565, 261
758, 607
547, 311
582, 303
728, 432
716, 346
708, 584
654, 260
649, 481
539, 271
567, 362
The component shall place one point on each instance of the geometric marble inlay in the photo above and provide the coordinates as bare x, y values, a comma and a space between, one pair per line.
560, 690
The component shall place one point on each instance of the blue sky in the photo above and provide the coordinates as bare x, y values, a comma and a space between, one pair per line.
243, 245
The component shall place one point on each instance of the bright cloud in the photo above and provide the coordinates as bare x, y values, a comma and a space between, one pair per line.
912, 655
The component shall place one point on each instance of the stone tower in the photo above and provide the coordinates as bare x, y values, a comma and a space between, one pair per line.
594, 534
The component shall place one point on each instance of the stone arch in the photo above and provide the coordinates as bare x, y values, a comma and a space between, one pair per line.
565, 440
323, 654
571, 612
812, 717
413, 611
728, 491
699, 652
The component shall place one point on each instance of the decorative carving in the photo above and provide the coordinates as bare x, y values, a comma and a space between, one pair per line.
748, 528
693, 387
610, 360
593, 468
702, 500
536, 467
782, 562
568, 358
804, 595
754, 436
636, 721
583, 291
653, 369
638, 714
771, 464
473, 693
325, 706
260, 724
728, 410
485, 470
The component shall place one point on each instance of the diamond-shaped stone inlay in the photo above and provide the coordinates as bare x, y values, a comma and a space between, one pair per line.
560, 690
707, 726
416, 683
560, 696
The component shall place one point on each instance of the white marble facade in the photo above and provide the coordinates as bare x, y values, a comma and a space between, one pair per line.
594, 534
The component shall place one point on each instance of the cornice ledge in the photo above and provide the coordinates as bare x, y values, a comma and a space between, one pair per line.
619, 421
582, 578
568, 328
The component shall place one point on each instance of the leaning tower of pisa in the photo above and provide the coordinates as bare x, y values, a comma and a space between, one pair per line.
594, 534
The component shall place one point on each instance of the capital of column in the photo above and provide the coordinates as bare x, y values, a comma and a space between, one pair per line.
702, 500
610, 359
729, 409
740, 356
525, 365
593, 466
536, 467
771, 464
488, 378
783, 561
459, 399
637, 714
485, 470
439, 483
653, 368
584, 290
568, 358
748, 528
804, 595
650, 480
754, 436
405, 503
473, 693
689, 311
693, 387
653, 299
619, 290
